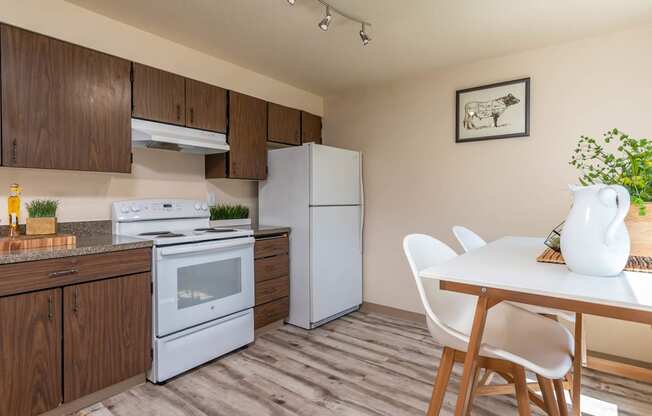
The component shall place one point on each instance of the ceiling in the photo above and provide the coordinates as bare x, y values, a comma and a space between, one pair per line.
409, 36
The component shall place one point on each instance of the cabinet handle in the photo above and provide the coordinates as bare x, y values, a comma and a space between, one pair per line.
178, 112
62, 273
14, 151
192, 115
50, 308
75, 301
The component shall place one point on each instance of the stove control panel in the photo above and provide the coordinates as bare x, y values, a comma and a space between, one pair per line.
152, 209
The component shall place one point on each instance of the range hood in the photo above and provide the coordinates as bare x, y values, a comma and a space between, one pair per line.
181, 139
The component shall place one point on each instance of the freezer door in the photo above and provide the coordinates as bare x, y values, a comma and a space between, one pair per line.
335, 176
335, 260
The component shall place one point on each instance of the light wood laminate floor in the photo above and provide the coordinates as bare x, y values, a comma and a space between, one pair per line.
361, 364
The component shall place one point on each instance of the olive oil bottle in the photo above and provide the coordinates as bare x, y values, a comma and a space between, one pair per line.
13, 207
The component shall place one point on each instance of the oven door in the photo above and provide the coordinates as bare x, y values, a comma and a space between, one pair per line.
196, 283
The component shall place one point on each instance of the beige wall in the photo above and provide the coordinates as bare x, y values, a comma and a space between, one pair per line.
87, 196
418, 180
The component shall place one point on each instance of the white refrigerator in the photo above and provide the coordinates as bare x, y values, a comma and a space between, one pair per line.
317, 191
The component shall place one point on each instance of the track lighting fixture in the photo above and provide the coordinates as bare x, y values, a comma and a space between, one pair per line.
363, 35
328, 18
326, 21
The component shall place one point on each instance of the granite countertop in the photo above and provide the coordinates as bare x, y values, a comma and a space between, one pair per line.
86, 244
268, 230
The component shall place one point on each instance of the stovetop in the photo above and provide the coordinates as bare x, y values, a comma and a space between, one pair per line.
162, 237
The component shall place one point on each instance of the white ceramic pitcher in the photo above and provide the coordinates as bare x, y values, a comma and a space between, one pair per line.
594, 240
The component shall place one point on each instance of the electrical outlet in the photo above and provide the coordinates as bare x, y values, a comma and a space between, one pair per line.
211, 198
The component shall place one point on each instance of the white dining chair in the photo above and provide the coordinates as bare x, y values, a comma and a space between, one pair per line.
514, 339
471, 241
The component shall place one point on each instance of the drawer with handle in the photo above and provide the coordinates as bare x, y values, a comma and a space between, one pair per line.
271, 267
42, 274
271, 246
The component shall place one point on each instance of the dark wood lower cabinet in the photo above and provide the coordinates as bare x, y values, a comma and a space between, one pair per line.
107, 333
272, 270
30, 353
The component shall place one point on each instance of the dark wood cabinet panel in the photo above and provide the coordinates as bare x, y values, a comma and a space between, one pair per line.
283, 125
310, 128
205, 106
44, 274
107, 335
247, 157
63, 106
158, 95
273, 289
271, 312
274, 246
271, 267
30, 359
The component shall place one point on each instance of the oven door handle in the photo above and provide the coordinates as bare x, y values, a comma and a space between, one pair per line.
222, 245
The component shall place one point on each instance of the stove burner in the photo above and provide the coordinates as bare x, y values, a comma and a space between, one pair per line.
161, 234
215, 230
169, 235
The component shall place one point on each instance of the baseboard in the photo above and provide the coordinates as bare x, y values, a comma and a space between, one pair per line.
393, 312
624, 367
98, 396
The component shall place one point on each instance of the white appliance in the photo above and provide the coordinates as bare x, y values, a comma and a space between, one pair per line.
317, 190
181, 139
203, 282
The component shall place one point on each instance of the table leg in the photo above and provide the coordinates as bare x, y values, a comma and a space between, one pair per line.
471, 360
577, 365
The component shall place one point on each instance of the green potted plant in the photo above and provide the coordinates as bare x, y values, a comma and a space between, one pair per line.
226, 215
42, 217
620, 159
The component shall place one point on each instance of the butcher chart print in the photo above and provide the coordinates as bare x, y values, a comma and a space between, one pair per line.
496, 111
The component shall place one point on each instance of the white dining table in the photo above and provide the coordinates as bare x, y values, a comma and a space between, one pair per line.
507, 270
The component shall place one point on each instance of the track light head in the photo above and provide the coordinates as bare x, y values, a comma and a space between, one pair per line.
291, 2
326, 21
364, 37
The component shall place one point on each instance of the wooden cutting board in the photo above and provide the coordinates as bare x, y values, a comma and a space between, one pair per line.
24, 242
635, 263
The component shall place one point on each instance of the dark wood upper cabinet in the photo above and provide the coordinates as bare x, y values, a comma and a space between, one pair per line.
158, 95
107, 333
310, 128
205, 106
247, 157
283, 124
30, 362
63, 106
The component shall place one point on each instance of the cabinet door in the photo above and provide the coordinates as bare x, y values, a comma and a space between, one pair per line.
63, 106
159, 95
205, 106
284, 124
247, 157
107, 335
30, 362
310, 128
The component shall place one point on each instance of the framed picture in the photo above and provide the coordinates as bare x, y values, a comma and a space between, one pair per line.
495, 111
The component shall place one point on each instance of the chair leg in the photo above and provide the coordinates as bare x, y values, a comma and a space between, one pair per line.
548, 396
561, 397
441, 381
522, 396
472, 393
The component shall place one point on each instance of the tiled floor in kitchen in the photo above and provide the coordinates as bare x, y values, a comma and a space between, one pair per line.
362, 364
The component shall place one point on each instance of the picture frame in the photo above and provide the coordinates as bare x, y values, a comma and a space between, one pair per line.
493, 111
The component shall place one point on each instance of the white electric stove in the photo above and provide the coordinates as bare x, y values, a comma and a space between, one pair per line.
203, 278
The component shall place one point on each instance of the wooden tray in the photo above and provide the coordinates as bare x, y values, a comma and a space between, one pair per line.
635, 263
24, 242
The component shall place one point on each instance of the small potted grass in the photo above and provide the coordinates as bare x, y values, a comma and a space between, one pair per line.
225, 215
42, 217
